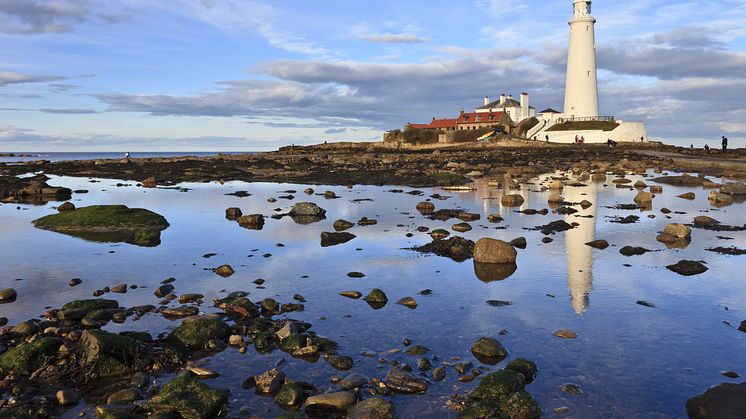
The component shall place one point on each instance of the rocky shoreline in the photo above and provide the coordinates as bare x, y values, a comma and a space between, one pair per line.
379, 164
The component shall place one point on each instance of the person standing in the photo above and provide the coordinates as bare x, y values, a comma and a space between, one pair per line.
547, 137
725, 144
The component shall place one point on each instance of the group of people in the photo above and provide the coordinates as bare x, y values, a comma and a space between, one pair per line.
579, 139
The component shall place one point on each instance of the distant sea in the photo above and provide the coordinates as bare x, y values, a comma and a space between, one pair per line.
63, 156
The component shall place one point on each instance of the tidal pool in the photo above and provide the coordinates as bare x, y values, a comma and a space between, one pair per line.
629, 360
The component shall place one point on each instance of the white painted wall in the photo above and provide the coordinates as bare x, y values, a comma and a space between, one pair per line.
625, 132
581, 86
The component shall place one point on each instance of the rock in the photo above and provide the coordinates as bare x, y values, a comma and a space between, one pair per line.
488, 351
112, 354
252, 221
519, 243
742, 327
87, 306
335, 238
342, 225
494, 218
75, 282
233, 213
356, 275
633, 250
201, 372
28, 357
488, 250
376, 298
290, 394
404, 382
184, 311
511, 200
190, 298
330, 195
308, 209
565, 334
365, 221
119, 288
731, 188
163, 290
330, 405
8, 295
573, 389
66, 206
644, 199
684, 180
521, 405
468, 216
340, 362
425, 207
351, 294
719, 199
523, 366
128, 395
598, 244
461, 227
417, 350
195, 332
353, 381
640, 185
373, 408
189, 398
225, 271
408, 302
439, 233
723, 401
119, 223
149, 183
688, 196
679, 231
25, 329
585, 204
269, 382
439, 373
498, 385
456, 248
656, 189
688, 268
67, 397
705, 221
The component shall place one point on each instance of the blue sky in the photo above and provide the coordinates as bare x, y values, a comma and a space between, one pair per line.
101, 75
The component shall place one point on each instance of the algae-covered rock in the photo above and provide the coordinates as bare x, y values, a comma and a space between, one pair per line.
525, 367
498, 385
28, 357
373, 408
110, 354
521, 406
188, 397
108, 223
90, 305
290, 394
196, 331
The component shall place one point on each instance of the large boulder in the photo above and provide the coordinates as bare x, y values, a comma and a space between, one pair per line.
307, 209
511, 200
108, 223
723, 401
195, 332
488, 250
110, 354
28, 357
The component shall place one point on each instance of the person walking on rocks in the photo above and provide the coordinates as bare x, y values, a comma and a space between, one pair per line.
725, 144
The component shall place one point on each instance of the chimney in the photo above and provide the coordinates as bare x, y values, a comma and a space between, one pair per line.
510, 97
462, 112
502, 98
524, 105
486, 100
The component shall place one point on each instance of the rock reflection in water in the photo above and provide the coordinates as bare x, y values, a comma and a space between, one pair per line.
489, 272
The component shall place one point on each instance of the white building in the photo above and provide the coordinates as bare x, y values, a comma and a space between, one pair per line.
518, 111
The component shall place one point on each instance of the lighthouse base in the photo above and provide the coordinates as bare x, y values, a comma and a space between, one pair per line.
625, 132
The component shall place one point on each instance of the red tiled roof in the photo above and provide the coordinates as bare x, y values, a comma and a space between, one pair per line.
437, 124
478, 118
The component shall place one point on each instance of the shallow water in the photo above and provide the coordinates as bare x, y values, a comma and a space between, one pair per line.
628, 359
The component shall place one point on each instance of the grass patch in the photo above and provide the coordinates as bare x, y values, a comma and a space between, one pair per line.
584, 126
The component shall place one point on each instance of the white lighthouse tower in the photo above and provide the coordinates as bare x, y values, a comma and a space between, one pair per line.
581, 87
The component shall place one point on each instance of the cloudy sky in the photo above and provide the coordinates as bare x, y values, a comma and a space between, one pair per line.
78, 75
